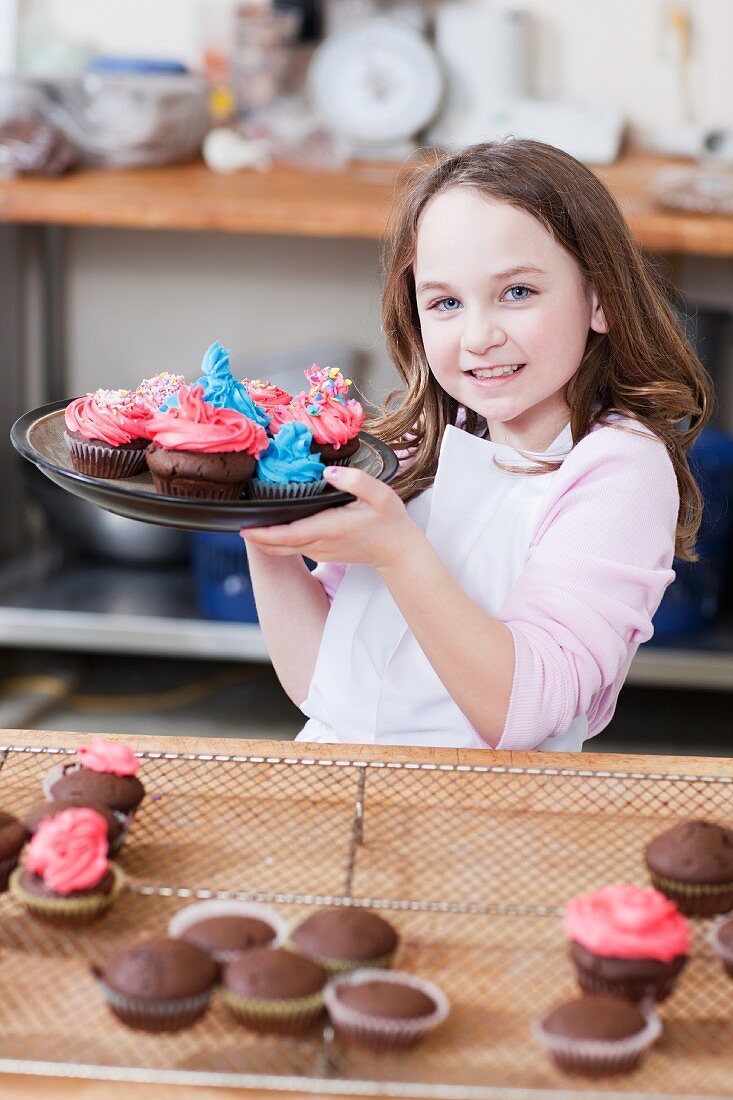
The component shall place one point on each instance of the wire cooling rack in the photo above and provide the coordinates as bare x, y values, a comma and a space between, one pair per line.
471, 864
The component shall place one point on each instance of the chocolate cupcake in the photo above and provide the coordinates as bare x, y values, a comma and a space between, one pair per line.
597, 1036
626, 942
692, 863
229, 928
287, 469
384, 1010
200, 451
102, 772
333, 418
106, 433
159, 984
115, 831
66, 877
274, 991
345, 939
12, 838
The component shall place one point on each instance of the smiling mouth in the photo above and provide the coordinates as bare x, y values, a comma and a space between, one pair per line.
496, 372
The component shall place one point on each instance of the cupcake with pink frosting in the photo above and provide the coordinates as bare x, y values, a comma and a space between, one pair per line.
66, 876
334, 418
106, 433
158, 389
267, 396
199, 450
626, 941
104, 772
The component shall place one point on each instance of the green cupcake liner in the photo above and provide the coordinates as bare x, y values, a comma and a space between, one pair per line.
67, 909
295, 1016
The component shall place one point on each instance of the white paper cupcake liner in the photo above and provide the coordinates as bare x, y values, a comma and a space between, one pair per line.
163, 1015
90, 458
203, 910
724, 953
379, 1032
598, 1057
285, 490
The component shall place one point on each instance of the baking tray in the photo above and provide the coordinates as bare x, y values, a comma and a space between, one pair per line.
39, 437
471, 864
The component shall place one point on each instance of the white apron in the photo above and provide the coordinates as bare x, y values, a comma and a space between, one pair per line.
372, 683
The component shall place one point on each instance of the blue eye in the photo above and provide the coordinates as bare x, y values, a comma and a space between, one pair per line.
515, 296
446, 305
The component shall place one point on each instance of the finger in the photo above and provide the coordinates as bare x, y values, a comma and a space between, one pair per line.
359, 483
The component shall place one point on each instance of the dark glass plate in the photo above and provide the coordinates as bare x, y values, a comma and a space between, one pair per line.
39, 437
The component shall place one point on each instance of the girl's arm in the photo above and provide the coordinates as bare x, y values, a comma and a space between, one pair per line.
292, 607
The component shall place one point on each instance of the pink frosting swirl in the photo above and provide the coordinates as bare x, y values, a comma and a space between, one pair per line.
114, 416
627, 922
108, 756
69, 851
266, 394
198, 426
333, 421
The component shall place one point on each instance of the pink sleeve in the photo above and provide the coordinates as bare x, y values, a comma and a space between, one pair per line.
330, 574
595, 573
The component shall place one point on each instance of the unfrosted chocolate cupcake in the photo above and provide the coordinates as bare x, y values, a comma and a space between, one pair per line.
274, 991
597, 1036
12, 838
345, 939
721, 941
41, 810
123, 793
227, 928
383, 1010
692, 863
159, 984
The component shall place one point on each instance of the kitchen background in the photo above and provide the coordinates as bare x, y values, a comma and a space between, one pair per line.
108, 627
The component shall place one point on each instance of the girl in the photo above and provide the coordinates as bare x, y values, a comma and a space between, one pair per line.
495, 595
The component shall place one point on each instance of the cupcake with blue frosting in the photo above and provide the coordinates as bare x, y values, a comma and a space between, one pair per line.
221, 389
288, 469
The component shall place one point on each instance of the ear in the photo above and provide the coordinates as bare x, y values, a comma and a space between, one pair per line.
597, 319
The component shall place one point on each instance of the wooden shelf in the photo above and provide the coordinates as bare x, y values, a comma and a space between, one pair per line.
293, 202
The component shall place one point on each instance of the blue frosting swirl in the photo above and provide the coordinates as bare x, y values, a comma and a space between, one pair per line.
288, 458
221, 389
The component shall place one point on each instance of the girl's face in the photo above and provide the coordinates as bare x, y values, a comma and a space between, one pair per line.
505, 314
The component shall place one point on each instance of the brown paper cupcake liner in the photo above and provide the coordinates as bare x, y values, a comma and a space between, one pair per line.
7, 866
631, 990
228, 907
67, 910
272, 1017
203, 490
98, 461
162, 1015
380, 1033
284, 490
695, 899
599, 1057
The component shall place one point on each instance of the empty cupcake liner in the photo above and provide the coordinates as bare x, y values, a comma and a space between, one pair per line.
67, 909
381, 1033
696, 899
161, 1015
228, 907
98, 461
285, 490
292, 1016
7, 866
599, 1057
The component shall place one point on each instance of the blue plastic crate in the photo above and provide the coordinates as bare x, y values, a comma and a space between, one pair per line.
223, 584
692, 601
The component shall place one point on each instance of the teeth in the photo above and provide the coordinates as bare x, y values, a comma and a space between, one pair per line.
495, 372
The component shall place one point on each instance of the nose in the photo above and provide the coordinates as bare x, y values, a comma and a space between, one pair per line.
480, 335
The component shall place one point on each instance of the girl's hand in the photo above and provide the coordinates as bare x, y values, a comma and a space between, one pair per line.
375, 530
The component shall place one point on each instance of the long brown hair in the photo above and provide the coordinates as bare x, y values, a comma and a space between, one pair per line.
643, 368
